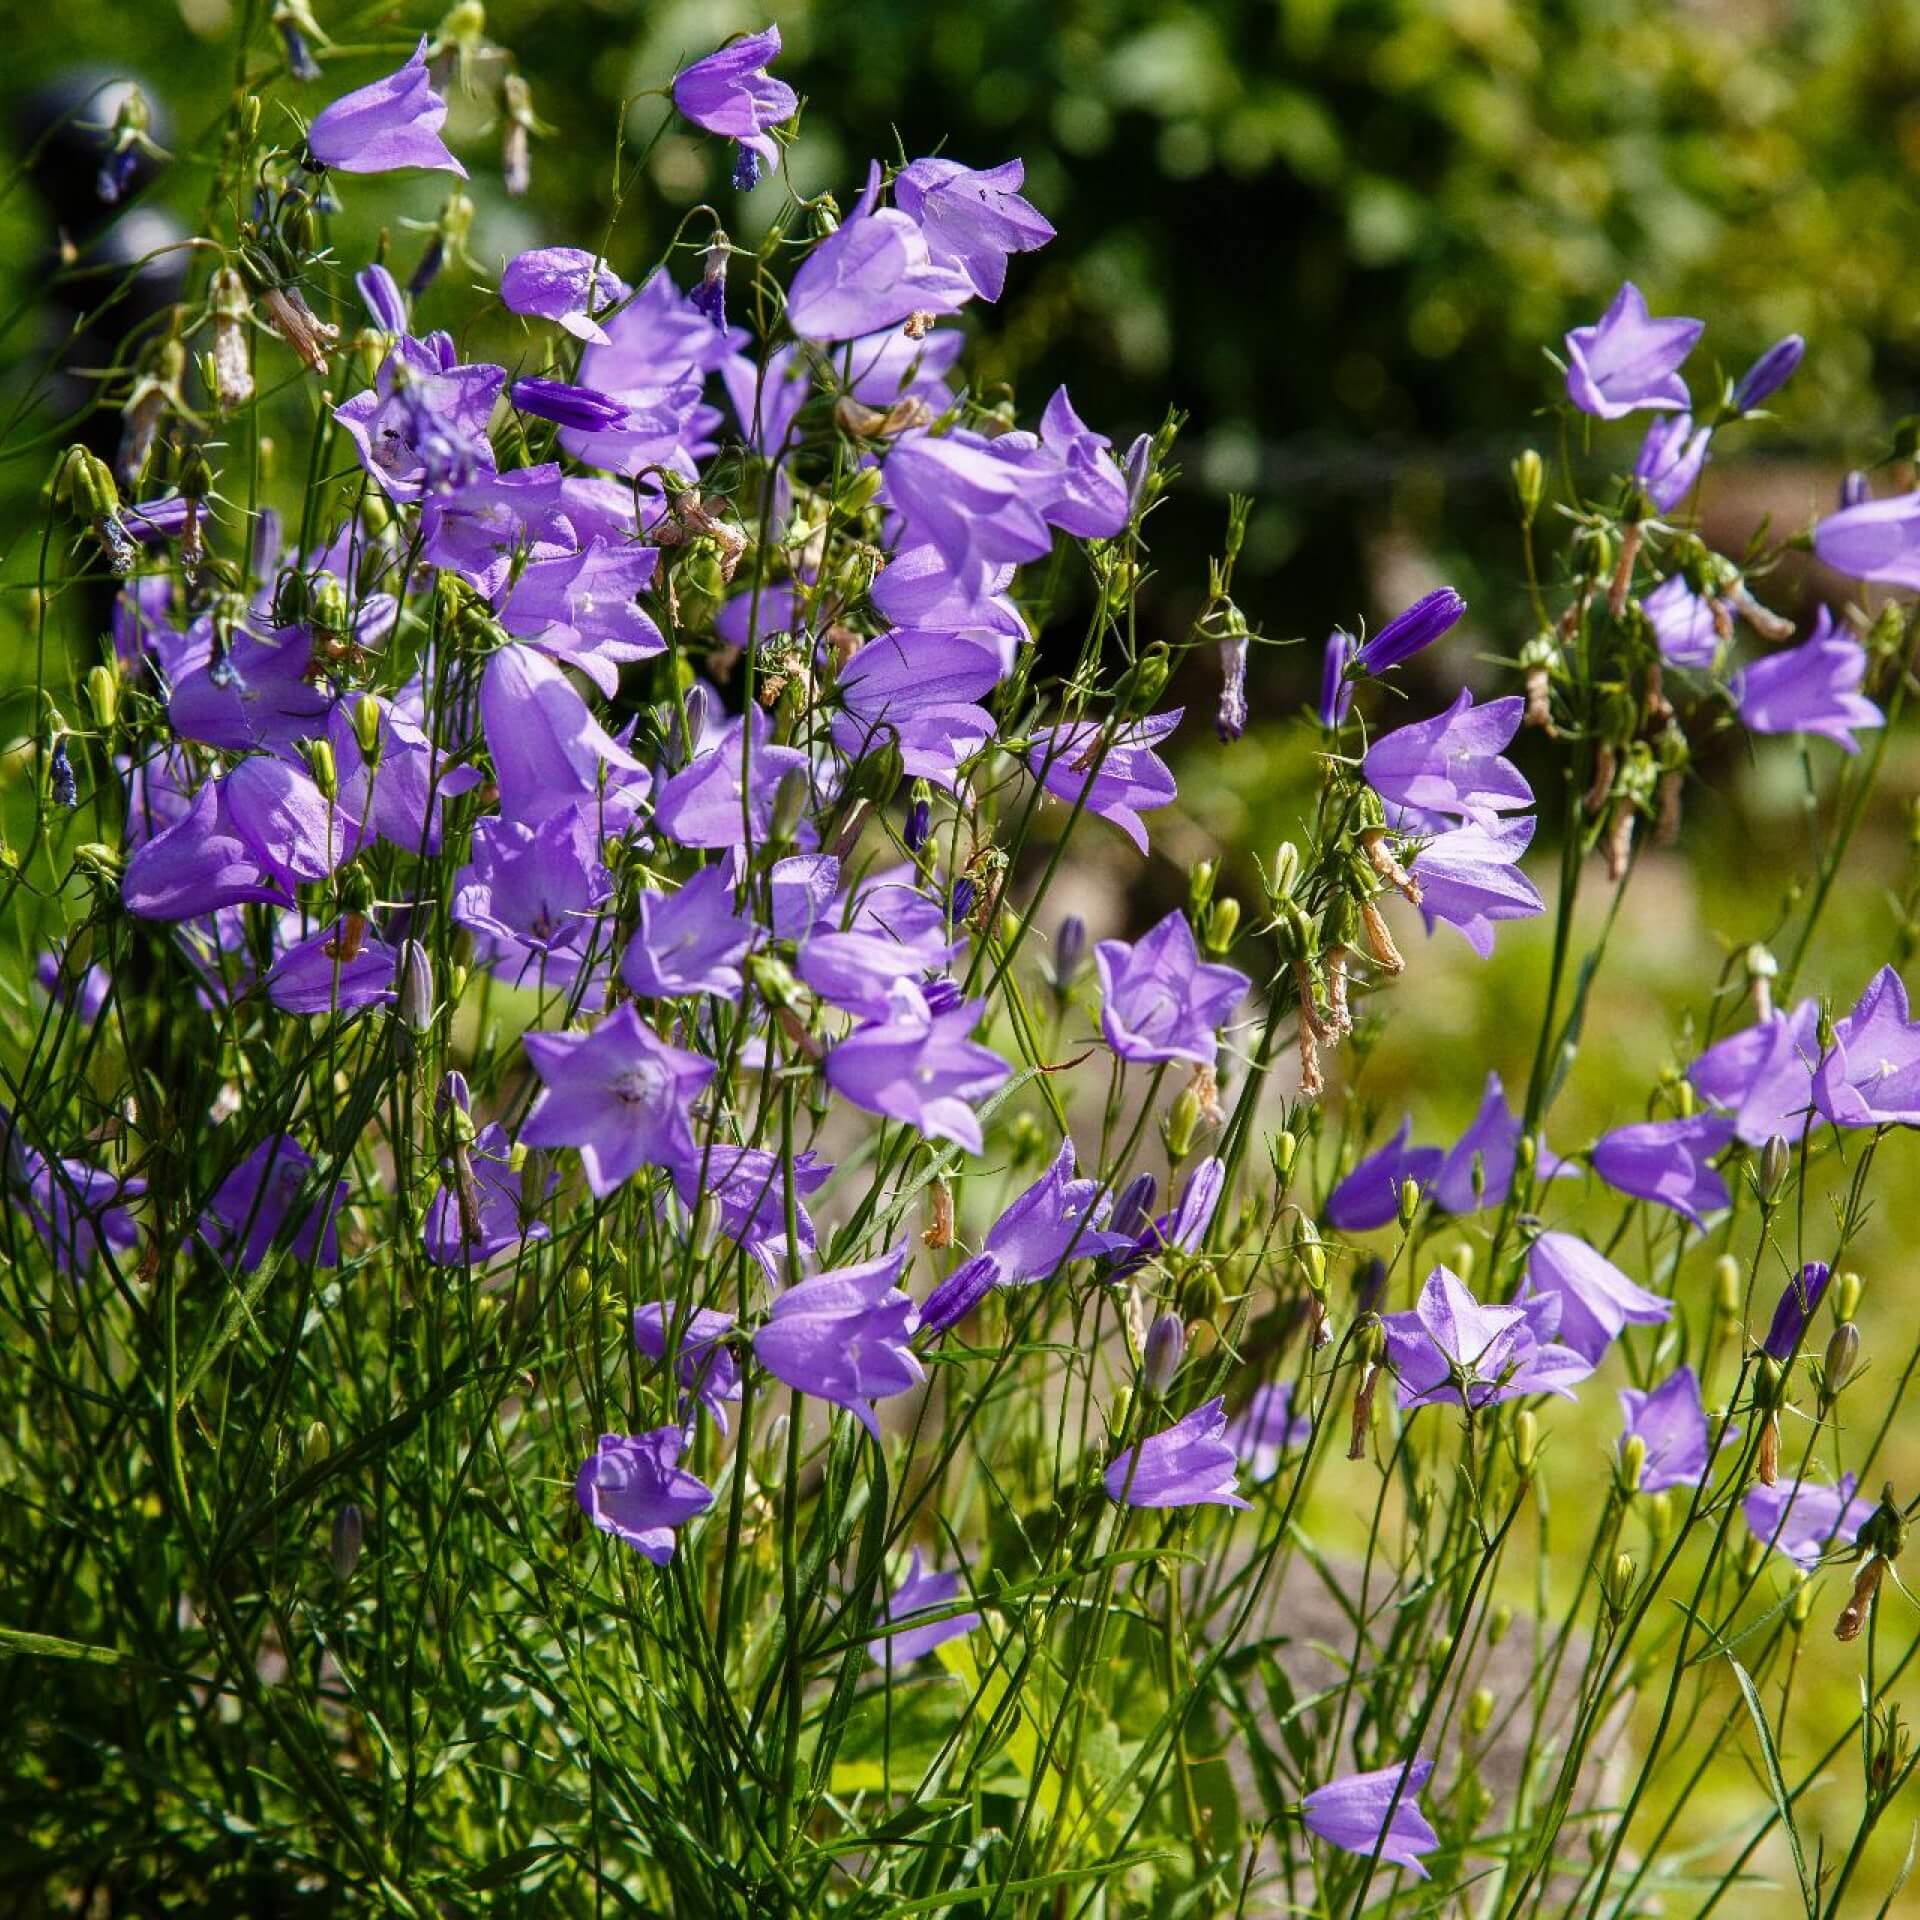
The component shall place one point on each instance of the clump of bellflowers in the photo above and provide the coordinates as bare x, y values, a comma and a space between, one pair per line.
612, 1299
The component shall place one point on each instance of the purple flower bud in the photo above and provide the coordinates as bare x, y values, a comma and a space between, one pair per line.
919, 825
1069, 951
963, 894
301, 64
959, 1293
116, 175
415, 999
1797, 1303
1769, 373
1231, 721
1133, 1211
1166, 1348
1854, 490
1407, 633
1336, 694
747, 168
60, 775
381, 295
586, 409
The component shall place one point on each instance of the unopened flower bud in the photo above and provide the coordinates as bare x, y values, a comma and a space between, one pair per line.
103, 695
1499, 1623
1286, 870
415, 990
320, 762
1526, 1441
919, 817
1841, 1361
1182, 1122
1479, 1710
1166, 1347
1800, 1607
349, 1530
1846, 1295
1283, 1147
1633, 1462
315, 1445
1616, 1583
1133, 1211
1726, 1287
1223, 924
1657, 1510
1529, 483
1774, 1162
1409, 1201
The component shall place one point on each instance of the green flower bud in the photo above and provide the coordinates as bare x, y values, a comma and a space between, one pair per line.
1182, 1122
315, 1445
1499, 1623
326, 775
1657, 1510
1774, 1162
1633, 1463
1526, 1441
789, 805
1479, 1710
1223, 924
368, 728
1529, 483
1846, 1295
1283, 1147
1200, 887
1726, 1287
1616, 1584
103, 695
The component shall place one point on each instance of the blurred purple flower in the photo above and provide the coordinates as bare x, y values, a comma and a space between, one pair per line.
1802, 1519
1369, 1196
1671, 457
920, 1593
340, 969
700, 806
250, 1207
1811, 688
1336, 690
1683, 623
1266, 1429
1878, 540
704, 1365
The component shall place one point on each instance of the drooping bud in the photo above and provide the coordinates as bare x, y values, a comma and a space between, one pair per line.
1529, 483
415, 996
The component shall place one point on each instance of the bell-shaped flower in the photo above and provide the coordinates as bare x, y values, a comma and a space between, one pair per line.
562, 284
1877, 540
1666, 1162
620, 1094
704, 1363
1369, 1196
392, 123
1871, 1075
1451, 767
1375, 1813
1597, 1301
1671, 1424
919, 1067
1266, 1429
1763, 1075
1115, 775
1811, 688
731, 93
1160, 1000
1451, 1348
973, 218
1628, 361
1191, 1464
920, 1592
633, 1486
1804, 1519
844, 1336
690, 941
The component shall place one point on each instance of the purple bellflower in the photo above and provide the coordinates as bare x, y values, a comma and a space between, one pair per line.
1803, 1519
843, 1336
1597, 1301
341, 969
1179, 1230
1878, 540
1266, 1429
1798, 1299
422, 425
633, 1487
562, 284
77, 1209
1665, 1161
1369, 1196
532, 895
700, 806
586, 409
920, 1592
196, 865
1470, 877
688, 942
1672, 1424
1161, 1001
1811, 688
732, 94
1871, 1076
1763, 1076
1336, 689
1191, 1464
1116, 776
1375, 1813
920, 1067
1628, 361
547, 748
1451, 766
249, 1209
972, 218
1451, 1348
619, 1094
380, 294
872, 272
1492, 1140
392, 123
1671, 457
705, 1365
1683, 623
748, 1185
